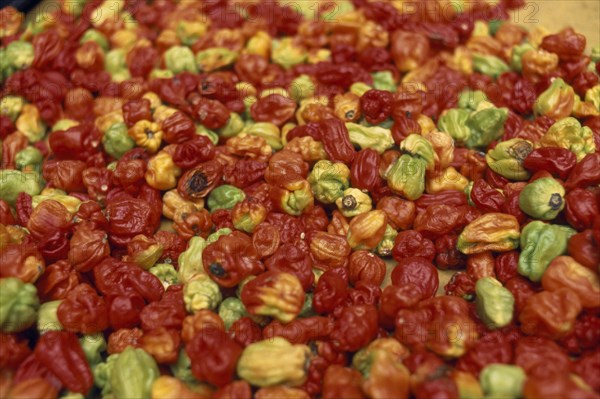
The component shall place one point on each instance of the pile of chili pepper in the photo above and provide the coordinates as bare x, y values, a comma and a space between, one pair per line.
238, 199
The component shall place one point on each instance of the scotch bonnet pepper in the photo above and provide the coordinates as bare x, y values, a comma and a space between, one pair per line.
490, 232
542, 199
502, 381
375, 137
495, 304
19, 305
407, 176
273, 362
328, 180
507, 158
224, 197
568, 133
540, 244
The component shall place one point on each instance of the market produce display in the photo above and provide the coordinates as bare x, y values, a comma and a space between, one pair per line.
238, 199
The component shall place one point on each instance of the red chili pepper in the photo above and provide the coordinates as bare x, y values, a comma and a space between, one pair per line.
336, 140
61, 353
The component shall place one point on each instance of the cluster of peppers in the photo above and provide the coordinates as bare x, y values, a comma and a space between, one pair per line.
197, 198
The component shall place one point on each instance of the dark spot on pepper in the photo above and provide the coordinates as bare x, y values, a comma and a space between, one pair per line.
149, 132
349, 114
217, 270
349, 202
520, 150
555, 202
197, 182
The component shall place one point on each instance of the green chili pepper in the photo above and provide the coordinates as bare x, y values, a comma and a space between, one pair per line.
489, 65
133, 373
214, 58
93, 345
94, 35
6, 68
307, 308
182, 369
495, 304
486, 124
540, 244
215, 236
516, 57
115, 60
161, 74
328, 180
102, 373
179, 59
359, 88
166, 273
467, 190
354, 202
267, 130
224, 197
233, 127
230, 310
190, 260
384, 248
116, 140
47, 318
502, 381
374, 137
64, 124
419, 146
20, 53
593, 96
287, 53
384, 80
12, 182
407, 176
542, 198
507, 158
454, 122
203, 131
19, 305
470, 99
29, 158
11, 106
201, 293
301, 88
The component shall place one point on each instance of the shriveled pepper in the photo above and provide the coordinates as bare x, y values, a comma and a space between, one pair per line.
490, 232
201, 293
275, 294
507, 158
179, 59
116, 140
543, 198
273, 362
454, 122
231, 310
417, 145
375, 137
224, 197
13, 182
61, 353
328, 180
486, 124
367, 229
540, 244
19, 305
354, 202
147, 135
166, 273
557, 101
407, 176
568, 133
